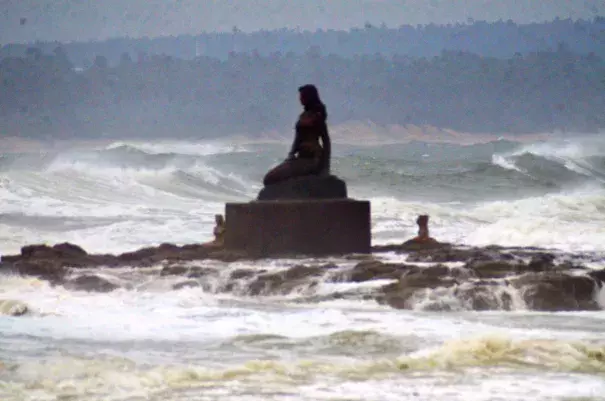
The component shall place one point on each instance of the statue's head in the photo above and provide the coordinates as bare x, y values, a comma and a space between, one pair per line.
422, 220
219, 219
308, 95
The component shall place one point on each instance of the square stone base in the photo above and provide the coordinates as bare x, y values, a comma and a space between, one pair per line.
299, 227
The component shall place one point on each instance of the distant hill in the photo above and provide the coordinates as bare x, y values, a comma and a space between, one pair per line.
42, 95
501, 39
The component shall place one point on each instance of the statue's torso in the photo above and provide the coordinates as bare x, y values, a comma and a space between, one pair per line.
308, 130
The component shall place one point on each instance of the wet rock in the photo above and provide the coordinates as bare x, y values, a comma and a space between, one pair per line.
556, 291
227, 256
244, 273
542, 262
188, 271
65, 254
198, 272
412, 247
445, 255
445, 252
352, 295
416, 246
237, 280
37, 251
73, 256
186, 284
507, 264
373, 270
598, 276
569, 266
437, 272
286, 281
398, 294
149, 256
483, 296
496, 269
59, 251
387, 248
187, 253
174, 270
359, 256
67, 250
90, 283
49, 270
266, 284
302, 271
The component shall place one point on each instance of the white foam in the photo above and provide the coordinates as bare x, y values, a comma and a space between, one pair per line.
204, 148
600, 296
572, 221
477, 385
149, 209
569, 221
504, 162
576, 148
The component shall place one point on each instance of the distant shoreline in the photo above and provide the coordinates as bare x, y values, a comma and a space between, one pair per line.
352, 133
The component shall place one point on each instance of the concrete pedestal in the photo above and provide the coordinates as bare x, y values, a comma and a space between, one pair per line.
299, 227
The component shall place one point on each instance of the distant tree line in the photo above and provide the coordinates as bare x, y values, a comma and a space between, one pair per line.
42, 95
501, 39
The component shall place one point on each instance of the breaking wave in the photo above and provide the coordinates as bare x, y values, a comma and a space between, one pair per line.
70, 376
500, 192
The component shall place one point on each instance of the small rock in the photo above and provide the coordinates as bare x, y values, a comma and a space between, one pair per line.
242, 273
285, 281
485, 296
174, 270
496, 269
186, 284
197, 272
67, 250
556, 291
599, 276
50, 270
90, 283
375, 270
397, 294
542, 262
301, 271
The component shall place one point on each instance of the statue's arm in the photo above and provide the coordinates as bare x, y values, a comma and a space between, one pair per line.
294, 147
296, 141
327, 149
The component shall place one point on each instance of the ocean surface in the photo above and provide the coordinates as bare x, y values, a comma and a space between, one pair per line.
147, 341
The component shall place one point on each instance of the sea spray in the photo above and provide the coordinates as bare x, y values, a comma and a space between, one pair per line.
320, 338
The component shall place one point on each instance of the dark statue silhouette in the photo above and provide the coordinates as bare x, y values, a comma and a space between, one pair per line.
305, 174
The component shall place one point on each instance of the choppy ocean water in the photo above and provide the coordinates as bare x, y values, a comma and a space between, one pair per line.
149, 341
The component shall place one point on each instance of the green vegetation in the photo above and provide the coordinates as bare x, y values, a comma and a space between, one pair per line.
43, 94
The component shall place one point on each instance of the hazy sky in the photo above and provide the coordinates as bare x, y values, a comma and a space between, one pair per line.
80, 20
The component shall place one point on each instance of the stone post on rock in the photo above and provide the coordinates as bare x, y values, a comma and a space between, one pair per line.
218, 232
423, 227
423, 230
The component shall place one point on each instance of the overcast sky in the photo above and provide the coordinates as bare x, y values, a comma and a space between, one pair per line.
81, 20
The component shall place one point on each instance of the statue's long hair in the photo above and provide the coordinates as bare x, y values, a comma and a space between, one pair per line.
312, 100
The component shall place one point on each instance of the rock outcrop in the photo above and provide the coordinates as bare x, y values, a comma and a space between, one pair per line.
483, 278
556, 291
90, 283
52, 262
